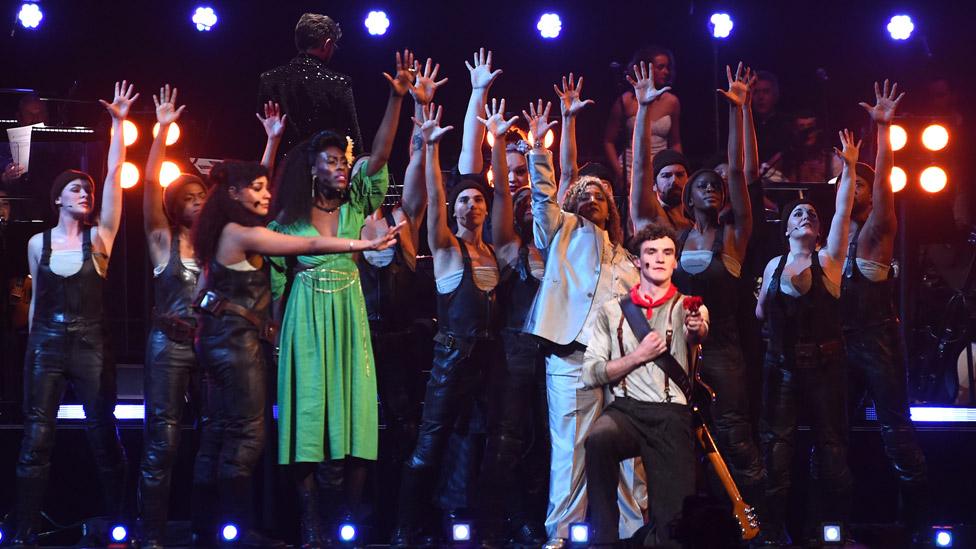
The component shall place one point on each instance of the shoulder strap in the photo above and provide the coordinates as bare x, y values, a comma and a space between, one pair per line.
852, 252
86, 245
46, 247
639, 325
682, 238
388, 216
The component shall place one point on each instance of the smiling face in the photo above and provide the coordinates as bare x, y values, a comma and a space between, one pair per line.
470, 209
76, 199
255, 198
803, 222
657, 260
707, 192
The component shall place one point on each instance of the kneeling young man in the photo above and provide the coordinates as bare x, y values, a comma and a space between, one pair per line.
649, 416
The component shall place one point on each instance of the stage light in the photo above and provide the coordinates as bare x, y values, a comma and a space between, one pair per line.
172, 134
119, 533
204, 17
168, 173
1, 535
579, 533
943, 536
935, 137
832, 534
900, 27
898, 136
720, 25
490, 138
377, 22
461, 531
229, 532
933, 179
898, 179
130, 132
547, 140
130, 175
549, 25
347, 532
30, 15
490, 176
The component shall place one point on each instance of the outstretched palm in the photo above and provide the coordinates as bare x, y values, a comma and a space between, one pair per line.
569, 96
430, 124
538, 119
427, 83
405, 74
122, 102
166, 111
886, 101
643, 85
273, 121
495, 119
481, 74
738, 91
850, 149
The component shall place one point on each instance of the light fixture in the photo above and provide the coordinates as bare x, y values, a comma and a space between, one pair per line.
942, 536
933, 179
935, 137
549, 25
172, 134
898, 179
204, 18
900, 27
130, 175
461, 532
579, 534
720, 25
119, 533
833, 534
347, 532
30, 15
377, 22
898, 136
229, 532
168, 173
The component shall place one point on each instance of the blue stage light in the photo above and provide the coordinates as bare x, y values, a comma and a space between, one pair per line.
461, 531
377, 22
119, 533
229, 532
347, 532
30, 15
579, 533
720, 25
1, 535
204, 17
900, 27
832, 533
943, 537
549, 25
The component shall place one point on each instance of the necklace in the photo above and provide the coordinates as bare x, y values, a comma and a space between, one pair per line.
327, 210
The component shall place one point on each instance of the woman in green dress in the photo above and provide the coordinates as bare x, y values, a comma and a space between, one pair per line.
327, 407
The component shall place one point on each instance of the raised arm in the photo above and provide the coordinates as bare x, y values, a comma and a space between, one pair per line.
400, 84
438, 233
111, 214
414, 199
547, 216
482, 77
750, 146
570, 105
738, 191
274, 127
153, 216
502, 216
644, 205
840, 225
882, 222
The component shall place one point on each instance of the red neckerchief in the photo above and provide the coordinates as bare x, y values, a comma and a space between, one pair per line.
638, 298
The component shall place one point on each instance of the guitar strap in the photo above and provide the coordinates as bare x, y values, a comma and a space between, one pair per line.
641, 327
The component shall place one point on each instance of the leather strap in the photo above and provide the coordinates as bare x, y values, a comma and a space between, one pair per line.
639, 325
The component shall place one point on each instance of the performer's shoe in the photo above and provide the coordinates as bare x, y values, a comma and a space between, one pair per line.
529, 535
555, 543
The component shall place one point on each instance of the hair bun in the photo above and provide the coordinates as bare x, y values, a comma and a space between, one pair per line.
218, 174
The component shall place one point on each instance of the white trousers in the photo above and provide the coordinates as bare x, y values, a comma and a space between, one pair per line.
572, 412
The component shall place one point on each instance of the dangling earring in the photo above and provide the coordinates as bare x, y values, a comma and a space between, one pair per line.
314, 183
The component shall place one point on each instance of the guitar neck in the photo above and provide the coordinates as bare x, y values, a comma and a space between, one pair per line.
722, 470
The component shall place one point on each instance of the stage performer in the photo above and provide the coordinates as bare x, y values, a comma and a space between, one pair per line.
710, 257
390, 285
314, 97
871, 332
67, 343
649, 416
234, 321
586, 265
326, 373
799, 302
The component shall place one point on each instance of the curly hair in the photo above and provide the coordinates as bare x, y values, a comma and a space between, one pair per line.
220, 209
293, 198
651, 231
575, 194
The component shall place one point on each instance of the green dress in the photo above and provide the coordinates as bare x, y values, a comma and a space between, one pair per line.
327, 407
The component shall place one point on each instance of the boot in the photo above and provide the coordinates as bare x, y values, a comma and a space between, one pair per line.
153, 504
30, 498
236, 504
311, 525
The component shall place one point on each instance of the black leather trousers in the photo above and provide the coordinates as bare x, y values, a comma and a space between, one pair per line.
456, 377
169, 377
59, 355
817, 385
876, 363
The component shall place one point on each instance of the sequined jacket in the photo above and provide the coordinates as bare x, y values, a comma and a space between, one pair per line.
314, 97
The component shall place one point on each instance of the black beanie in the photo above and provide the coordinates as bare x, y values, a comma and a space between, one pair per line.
668, 157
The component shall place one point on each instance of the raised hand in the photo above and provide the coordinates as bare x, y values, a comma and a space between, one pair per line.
849, 152
494, 119
750, 77
388, 239
643, 85
122, 102
166, 111
430, 124
273, 121
406, 72
738, 87
569, 96
427, 83
481, 74
886, 101
538, 119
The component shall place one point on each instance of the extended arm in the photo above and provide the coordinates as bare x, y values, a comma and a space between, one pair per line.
882, 217
738, 191
502, 216
841, 223
547, 216
274, 127
644, 205
570, 105
438, 233
482, 77
400, 84
111, 214
154, 217
750, 145
267, 242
